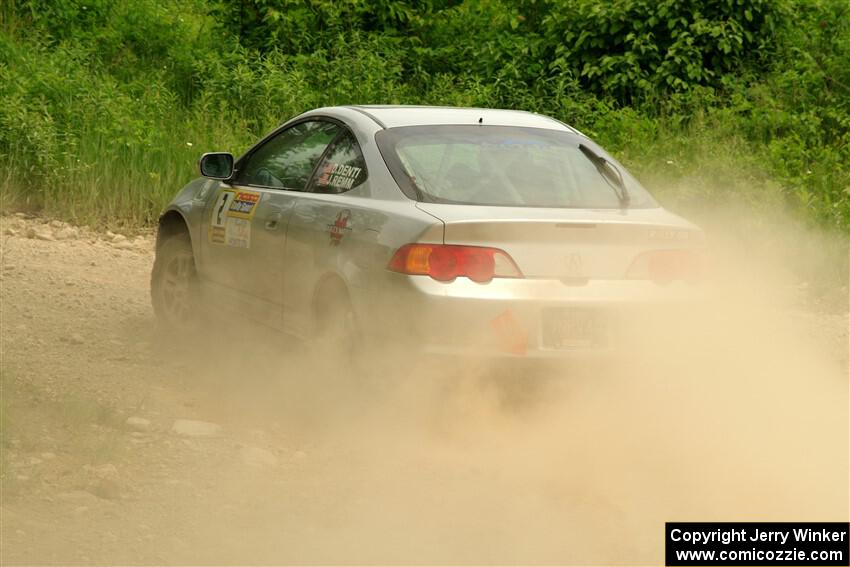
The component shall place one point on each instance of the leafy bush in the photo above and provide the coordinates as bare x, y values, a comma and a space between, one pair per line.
105, 104
642, 49
302, 26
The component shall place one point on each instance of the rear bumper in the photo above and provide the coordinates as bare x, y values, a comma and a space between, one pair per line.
517, 318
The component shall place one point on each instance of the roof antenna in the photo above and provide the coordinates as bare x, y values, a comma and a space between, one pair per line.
481, 120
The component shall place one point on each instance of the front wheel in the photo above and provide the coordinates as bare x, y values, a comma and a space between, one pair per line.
174, 284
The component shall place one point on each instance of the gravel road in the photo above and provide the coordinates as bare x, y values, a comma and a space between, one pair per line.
121, 446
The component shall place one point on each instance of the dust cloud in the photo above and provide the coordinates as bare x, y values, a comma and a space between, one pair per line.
733, 407
730, 408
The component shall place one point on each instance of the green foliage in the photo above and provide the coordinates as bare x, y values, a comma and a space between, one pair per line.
802, 112
641, 49
106, 104
302, 26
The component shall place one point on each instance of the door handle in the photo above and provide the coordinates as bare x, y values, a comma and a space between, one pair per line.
273, 221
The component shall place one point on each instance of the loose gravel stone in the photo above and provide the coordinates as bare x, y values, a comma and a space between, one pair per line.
138, 423
67, 233
257, 457
107, 489
192, 428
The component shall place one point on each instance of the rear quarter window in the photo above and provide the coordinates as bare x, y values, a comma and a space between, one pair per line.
343, 167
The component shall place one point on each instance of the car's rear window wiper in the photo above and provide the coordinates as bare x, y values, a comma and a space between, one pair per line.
605, 167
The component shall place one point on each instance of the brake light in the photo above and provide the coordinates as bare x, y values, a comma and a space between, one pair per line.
445, 262
664, 266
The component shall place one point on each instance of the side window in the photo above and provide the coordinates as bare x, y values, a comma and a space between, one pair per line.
287, 160
342, 169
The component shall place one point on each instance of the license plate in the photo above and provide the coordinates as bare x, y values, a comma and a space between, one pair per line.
573, 328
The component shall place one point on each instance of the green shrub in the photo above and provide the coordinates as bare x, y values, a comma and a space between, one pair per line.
105, 104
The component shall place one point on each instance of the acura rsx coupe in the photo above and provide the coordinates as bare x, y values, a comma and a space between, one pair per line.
454, 231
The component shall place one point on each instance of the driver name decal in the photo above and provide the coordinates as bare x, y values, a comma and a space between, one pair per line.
338, 175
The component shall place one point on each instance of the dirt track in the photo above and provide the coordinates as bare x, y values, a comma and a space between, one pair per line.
322, 473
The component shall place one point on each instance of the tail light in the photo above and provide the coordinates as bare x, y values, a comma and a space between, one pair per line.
664, 266
445, 262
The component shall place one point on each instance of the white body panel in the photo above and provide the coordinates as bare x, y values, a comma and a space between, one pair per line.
569, 257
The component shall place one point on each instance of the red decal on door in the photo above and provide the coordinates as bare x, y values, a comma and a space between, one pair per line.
339, 226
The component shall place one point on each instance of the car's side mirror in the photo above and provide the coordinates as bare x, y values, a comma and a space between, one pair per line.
217, 165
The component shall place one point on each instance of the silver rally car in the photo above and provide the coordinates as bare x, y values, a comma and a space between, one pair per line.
449, 230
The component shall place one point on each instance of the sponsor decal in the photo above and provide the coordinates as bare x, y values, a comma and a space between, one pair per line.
230, 222
217, 234
511, 336
243, 204
339, 227
219, 211
338, 175
237, 233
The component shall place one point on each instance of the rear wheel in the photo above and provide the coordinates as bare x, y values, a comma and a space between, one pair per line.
174, 284
337, 339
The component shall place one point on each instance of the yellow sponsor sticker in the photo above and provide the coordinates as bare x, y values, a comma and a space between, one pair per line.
230, 218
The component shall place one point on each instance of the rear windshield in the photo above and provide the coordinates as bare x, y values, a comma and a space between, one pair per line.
500, 165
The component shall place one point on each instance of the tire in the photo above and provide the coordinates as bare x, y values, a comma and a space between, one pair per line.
174, 284
337, 339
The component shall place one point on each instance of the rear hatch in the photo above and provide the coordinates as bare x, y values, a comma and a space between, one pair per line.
567, 244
